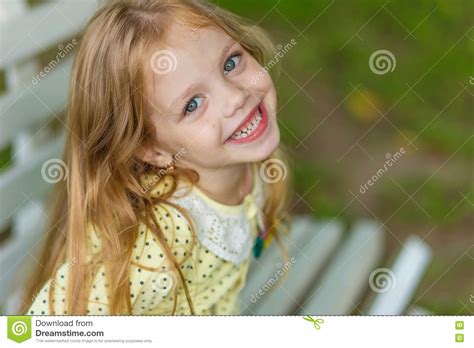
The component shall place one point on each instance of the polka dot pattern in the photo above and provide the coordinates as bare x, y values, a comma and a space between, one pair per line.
213, 283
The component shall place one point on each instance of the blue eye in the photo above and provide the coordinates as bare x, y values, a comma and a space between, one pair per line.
192, 104
231, 63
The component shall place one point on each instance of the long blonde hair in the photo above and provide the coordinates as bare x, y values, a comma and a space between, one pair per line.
107, 127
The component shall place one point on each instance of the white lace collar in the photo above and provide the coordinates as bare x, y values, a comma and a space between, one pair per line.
225, 230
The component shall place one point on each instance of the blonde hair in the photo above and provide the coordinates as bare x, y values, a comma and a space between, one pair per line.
107, 127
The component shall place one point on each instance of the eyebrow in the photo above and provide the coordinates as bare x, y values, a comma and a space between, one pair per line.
193, 86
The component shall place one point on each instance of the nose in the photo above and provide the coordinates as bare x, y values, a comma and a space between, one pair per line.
234, 98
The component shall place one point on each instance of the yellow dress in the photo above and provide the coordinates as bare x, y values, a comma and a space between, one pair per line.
215, 272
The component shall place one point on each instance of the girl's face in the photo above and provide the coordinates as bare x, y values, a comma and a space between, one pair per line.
205, 89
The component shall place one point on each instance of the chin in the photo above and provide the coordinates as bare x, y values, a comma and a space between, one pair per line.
271, 143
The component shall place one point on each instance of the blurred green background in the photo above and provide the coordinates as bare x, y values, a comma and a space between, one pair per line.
341, 121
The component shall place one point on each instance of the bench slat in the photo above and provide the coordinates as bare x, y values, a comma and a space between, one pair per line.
15, 254
302, 231
347, 276
24, 182
24, 36
262, 269
287, 298
408, 269
298, 231
26, 107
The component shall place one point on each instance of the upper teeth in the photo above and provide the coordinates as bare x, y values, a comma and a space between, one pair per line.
249, 127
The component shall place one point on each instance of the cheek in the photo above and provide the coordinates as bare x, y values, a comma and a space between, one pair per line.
262, 84
201, 136
269, 93
173, 137
258, 78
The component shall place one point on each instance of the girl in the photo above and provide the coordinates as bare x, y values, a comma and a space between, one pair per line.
172, 136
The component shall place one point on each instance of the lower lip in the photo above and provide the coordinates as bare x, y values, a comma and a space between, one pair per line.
262, 126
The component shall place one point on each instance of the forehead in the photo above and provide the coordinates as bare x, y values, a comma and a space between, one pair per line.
185, 56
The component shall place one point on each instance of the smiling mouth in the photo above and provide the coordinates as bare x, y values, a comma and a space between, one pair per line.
250, 126
253, 126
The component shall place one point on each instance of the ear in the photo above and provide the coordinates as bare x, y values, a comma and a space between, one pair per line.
156, 157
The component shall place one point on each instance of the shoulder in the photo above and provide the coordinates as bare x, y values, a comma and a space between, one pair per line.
176, 232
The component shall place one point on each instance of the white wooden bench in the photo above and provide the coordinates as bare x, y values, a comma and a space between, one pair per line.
28, 108
331, 270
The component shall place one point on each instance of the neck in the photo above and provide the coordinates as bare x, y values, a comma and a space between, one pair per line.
227, 185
